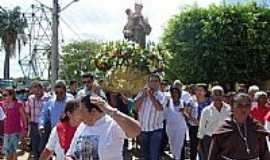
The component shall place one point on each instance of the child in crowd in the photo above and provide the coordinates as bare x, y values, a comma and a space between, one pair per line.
63, 133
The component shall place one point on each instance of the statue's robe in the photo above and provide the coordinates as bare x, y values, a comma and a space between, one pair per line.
136, 30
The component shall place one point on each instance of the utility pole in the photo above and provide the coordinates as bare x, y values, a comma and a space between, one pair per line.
54, 59
55, 49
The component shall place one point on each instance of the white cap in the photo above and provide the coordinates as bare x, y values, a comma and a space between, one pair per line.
217, 88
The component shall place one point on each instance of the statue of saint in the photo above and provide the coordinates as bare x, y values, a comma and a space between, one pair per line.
137, 26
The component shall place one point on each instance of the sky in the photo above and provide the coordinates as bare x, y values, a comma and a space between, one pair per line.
103, 19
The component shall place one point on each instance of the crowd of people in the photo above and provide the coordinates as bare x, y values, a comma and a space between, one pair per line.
93, 124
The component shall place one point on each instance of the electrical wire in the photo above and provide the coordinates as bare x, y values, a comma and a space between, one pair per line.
70, 28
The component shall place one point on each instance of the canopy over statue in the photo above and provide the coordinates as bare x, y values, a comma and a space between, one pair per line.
137, 26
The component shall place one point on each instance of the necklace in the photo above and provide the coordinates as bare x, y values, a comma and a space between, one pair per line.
243, 136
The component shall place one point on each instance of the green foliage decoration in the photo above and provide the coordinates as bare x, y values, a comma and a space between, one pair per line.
226, 43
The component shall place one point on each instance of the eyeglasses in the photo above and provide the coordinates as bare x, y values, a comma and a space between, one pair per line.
87, 82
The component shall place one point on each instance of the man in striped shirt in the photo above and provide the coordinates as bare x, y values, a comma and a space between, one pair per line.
34, 106
150, 104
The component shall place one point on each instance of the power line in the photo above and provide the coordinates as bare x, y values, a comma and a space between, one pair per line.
42, 4
71, 29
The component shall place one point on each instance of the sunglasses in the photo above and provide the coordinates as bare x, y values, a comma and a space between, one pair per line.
87, 82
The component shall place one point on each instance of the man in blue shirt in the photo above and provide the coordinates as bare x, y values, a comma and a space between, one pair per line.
52, 110
90, 87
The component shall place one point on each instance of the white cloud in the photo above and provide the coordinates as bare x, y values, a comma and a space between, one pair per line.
104, 19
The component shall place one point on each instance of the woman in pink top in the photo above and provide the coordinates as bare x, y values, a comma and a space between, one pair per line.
260, 110
13, 127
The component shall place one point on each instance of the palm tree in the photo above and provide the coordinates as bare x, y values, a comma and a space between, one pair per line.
12, 25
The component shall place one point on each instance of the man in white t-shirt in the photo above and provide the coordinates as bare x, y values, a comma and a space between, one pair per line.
212, 117
105, 132
150, 105
101, 134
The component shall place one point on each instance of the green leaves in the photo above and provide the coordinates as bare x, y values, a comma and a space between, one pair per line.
77, 58
12, 25
221, 43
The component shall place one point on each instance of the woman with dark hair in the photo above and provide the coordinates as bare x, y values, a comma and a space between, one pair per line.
13, 128
102, 131
176, 123
63, 132
200, 101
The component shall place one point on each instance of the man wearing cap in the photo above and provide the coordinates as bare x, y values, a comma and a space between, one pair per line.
53, 109
212, 117
240, 137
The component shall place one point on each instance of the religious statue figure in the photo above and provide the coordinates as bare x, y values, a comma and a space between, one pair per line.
137, 26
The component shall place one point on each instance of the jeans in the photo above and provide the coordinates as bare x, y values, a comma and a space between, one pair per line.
151, 142
11, 142
44, 137
193, 130
34, 139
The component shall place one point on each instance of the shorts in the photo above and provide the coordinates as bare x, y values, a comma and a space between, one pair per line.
11, 142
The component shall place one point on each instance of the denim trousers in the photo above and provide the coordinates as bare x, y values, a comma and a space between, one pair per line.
35, 139
151, 142
193, 131
11, 142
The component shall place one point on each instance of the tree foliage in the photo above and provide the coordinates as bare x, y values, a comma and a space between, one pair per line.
228, 44
77, 58
12, 26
